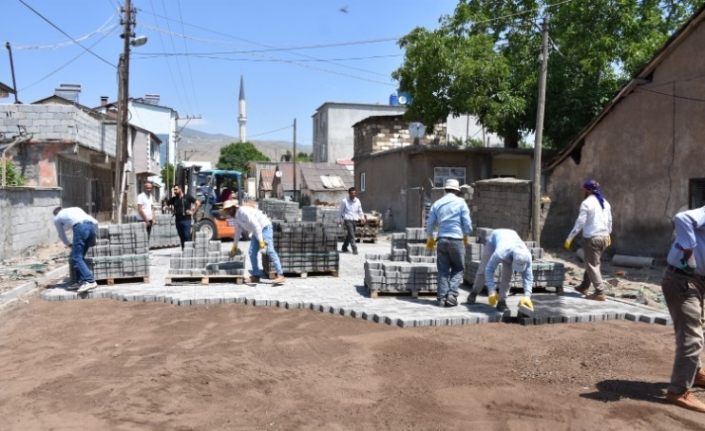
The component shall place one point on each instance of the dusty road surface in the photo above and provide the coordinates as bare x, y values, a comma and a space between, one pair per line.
100, 365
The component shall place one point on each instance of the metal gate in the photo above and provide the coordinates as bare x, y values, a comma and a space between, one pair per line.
87, 187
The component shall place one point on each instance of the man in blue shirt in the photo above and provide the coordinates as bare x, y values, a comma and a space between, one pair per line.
506, 247
684, 290
452, 216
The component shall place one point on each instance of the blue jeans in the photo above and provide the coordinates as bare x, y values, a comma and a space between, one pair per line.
268, 237
83, 239
450, 258
183, 228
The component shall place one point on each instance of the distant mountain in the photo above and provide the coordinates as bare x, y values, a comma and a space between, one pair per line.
203, 146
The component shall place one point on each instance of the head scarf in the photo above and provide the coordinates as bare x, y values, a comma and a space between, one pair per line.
594, 187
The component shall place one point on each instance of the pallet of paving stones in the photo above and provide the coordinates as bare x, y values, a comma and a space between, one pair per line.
366, 230
122, 280
391, 277
164, 232
329, 216
546, 274
304, 274
203, 261
120, 252
304, 248
277, 209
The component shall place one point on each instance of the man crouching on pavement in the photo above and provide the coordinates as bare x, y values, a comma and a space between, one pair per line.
84, 228
506, 247
452, 216
258, 224
684, 290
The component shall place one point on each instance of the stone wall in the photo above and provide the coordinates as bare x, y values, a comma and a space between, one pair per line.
388, 133
27, 219
503, 203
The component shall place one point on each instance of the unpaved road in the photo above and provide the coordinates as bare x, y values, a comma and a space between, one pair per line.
99, 365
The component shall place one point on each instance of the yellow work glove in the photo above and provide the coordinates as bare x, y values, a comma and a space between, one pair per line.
262, 245
567, 244
526, 302
609, 240
493, 299
466, 240
430, 243
234, 251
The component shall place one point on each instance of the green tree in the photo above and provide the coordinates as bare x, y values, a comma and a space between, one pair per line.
12, 177
484, 60
304, 157
237, 155
167, 175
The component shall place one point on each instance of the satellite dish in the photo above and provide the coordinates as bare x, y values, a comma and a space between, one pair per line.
402, 100
417, 130
278, 174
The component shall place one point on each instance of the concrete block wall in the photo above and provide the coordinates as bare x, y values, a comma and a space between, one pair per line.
27, 219
503, 203
60, 123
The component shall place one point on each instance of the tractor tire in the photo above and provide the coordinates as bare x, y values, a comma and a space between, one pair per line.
207, 226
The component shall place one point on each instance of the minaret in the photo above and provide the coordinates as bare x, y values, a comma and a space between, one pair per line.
242, 118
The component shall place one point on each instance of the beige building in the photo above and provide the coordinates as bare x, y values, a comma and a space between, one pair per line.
646, 148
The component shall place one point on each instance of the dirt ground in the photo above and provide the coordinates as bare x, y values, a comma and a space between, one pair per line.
99, 364
31, 264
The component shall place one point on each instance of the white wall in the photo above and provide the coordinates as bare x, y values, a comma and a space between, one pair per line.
159, 120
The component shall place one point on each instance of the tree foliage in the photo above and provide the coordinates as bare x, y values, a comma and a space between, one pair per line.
167, 175
237, 155
13, 178
484, 59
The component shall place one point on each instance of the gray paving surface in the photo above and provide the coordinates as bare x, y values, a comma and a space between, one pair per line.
345, 295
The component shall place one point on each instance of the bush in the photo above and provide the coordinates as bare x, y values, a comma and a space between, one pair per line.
14, 178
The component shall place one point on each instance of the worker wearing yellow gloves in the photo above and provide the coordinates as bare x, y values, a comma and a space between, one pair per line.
503, 246
452, 216
595, 221
258, 224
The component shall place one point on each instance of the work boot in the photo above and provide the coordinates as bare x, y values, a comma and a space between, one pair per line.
441, 302
451, 301
472, 298
502, 306
699, 379
253, 279
354, 251
597, 296
279, 280
687, 400
343, 250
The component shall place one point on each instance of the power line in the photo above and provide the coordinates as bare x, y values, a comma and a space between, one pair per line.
80, 54
272, 59
168, 63
66, 34
104, 28
271, 131
692, 99
178, 64
188, 62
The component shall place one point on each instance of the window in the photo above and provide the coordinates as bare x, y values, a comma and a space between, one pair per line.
362, 182
441, 174
696, 193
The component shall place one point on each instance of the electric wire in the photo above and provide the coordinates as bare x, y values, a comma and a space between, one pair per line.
178, 64
188, 61
270, 131
48, 21
104, 28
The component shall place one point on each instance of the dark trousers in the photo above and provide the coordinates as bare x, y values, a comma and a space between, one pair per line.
349, 235
83, 239
183, 228
149, 228
450, 258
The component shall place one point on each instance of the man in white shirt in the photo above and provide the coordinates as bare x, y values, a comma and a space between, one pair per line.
258, 224
595, 220
144, 206
84, 233
350, 212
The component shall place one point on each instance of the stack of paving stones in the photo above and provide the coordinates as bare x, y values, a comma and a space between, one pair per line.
120, 252
329, 216
366, 230
277, 209
546, 273
164, 233
408, 268
304, 247
203, 257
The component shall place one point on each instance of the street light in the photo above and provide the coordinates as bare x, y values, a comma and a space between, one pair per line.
138, 41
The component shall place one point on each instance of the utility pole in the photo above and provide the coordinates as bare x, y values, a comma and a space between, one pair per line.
127, 21
536, 192
12, 70
295, 195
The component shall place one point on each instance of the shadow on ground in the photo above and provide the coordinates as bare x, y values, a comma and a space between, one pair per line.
615, 390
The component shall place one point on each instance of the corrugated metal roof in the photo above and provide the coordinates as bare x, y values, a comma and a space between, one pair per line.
265, 179
326, 177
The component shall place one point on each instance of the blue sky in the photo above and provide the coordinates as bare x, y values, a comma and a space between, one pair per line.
280, 84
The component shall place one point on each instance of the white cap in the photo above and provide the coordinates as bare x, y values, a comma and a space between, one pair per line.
230, 203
